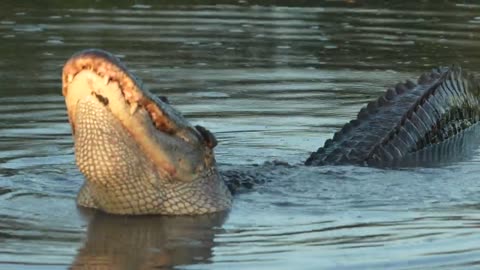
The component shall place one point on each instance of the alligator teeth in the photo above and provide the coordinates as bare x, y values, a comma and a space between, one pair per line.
127, 94
106, 80
133, 108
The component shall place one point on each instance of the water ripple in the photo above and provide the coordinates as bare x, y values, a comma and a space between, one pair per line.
273, 82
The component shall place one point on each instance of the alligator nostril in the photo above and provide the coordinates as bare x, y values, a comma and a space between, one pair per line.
208, 137
101, 98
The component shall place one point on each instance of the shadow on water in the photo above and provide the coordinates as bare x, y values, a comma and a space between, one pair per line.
147, 242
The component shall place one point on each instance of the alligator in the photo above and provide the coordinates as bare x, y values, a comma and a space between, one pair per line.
139, 155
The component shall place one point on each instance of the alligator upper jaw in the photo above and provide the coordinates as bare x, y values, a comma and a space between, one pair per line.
179, 150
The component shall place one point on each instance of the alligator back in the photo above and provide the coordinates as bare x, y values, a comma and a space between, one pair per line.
408, 123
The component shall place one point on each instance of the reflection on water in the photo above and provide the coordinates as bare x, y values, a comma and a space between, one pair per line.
272, 82
148, 242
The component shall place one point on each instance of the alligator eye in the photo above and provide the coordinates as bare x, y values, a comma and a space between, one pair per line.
208, 137
164, 99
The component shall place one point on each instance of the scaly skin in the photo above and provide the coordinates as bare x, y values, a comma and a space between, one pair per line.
407, 124
140, 156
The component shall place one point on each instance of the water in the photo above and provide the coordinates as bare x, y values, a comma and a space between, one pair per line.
272, 82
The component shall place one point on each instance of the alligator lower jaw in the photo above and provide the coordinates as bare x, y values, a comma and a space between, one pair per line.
138, 154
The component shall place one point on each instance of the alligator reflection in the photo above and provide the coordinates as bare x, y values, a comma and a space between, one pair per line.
146, 242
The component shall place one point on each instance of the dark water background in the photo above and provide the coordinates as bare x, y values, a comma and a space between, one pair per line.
273, 80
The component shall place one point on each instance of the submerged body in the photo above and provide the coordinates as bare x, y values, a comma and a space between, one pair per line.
140, 156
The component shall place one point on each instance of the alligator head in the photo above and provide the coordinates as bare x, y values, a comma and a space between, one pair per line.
137, 153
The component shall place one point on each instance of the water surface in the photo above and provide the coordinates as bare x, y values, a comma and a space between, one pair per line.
272, 82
